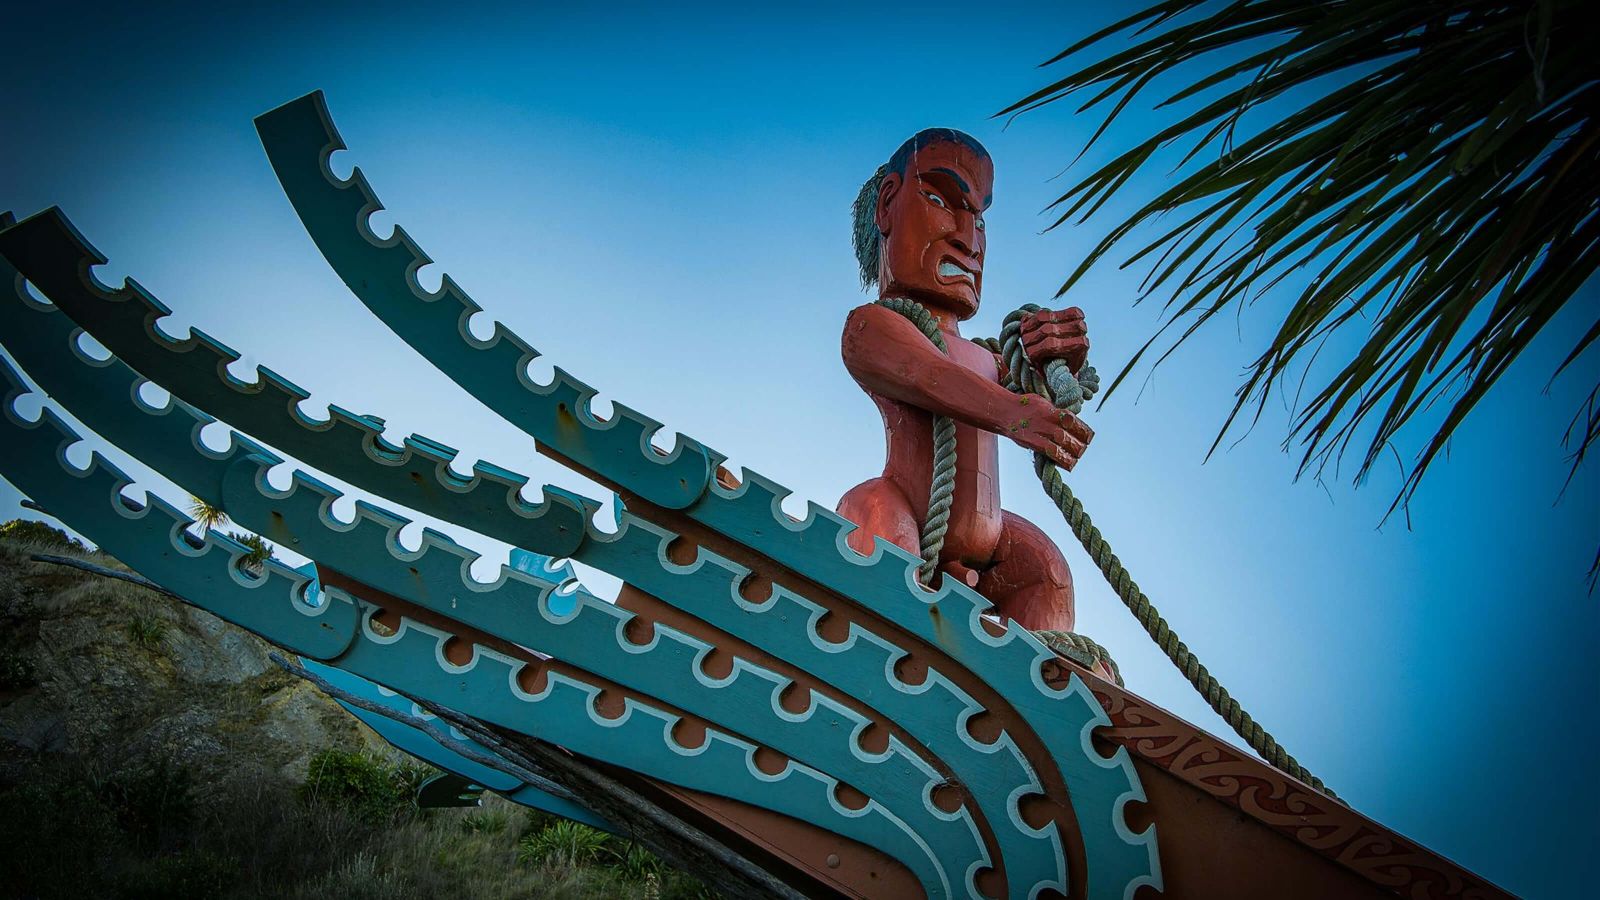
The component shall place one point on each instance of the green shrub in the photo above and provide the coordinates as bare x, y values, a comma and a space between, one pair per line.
410, 774
368, 786
635, 863
565, 843
69, 832
205, 515
536, 820
260, 551
28, 531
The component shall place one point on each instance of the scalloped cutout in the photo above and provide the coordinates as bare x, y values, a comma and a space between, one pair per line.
380, 225
849, 797
429, 279
690, 734
540, 371
216, 437
341, 164
480, 326
78, 455
28, 406
768, 761
85, 343
155, 398
245, 371
32, 294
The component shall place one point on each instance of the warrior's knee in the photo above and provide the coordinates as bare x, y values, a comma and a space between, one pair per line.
1030, 582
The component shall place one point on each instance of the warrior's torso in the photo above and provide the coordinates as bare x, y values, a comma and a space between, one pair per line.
975, 520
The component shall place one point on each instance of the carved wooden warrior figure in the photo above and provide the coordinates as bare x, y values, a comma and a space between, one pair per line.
919, 234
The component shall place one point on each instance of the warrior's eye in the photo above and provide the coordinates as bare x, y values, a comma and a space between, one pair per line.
936, 199
980, 223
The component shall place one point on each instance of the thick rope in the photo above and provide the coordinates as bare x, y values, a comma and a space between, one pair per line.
1068, 392
1081, 649
942, 492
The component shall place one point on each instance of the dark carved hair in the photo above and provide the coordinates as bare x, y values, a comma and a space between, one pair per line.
864, 211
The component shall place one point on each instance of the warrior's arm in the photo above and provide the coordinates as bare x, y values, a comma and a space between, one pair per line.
891, 358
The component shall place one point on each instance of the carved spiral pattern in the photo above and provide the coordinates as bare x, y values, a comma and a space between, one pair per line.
1318, 822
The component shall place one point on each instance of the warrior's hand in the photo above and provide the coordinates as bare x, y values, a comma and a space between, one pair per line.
1056, 334
1059, 435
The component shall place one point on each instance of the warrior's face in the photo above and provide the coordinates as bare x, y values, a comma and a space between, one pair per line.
931, 219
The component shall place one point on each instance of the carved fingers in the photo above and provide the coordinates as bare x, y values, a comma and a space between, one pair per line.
1056, 334
1058, 434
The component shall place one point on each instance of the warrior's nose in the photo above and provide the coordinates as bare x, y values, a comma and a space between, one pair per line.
963, 243
965, 237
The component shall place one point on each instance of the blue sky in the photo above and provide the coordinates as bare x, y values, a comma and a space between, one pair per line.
658, 200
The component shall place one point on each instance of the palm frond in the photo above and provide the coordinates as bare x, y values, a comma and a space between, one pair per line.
1429, 168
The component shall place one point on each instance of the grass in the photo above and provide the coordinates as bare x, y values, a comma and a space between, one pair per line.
147, 630
70, 831
562, 843
491, 820
56, 588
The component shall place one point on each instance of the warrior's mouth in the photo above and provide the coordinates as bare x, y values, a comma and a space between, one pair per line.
949, 268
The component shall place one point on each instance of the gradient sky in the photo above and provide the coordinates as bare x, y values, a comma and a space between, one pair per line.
658, 200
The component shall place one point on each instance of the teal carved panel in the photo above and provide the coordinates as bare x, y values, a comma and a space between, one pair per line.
934, 712
950, 618
424, 747
416, 473
592, 636
151, 538
412, 660
942, 849
299, 137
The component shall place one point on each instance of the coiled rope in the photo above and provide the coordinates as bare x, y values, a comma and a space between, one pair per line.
1070, 392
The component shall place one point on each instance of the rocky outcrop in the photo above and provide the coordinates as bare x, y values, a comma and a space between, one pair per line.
108, 672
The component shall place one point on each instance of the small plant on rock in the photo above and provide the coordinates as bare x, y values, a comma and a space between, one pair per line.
147, 630
206, 516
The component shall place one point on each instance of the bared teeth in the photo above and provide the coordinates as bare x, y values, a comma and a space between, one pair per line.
952, 269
